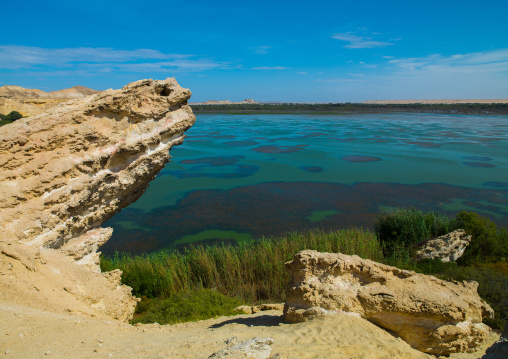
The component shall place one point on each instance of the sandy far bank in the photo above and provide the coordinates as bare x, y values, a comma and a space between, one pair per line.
407, 102
34, 333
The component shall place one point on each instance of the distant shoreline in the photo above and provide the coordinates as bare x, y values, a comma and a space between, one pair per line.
344, 108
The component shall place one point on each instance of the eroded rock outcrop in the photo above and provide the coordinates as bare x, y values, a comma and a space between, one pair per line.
257, 348
449, 247
432, 315
65, 172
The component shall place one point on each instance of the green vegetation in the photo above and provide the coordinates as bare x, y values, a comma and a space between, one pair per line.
202, 282
410, 226
10, 118
253, 272
489, 243
473, 108
185, 306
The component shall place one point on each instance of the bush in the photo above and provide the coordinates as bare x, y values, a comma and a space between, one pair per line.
401, 228
488, 243
13, 116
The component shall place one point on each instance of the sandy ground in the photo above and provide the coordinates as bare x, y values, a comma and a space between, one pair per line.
33, 333
45, 312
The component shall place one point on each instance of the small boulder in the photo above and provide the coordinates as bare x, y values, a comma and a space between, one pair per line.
448, 248
257, 348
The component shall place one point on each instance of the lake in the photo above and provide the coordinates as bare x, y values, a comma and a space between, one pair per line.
239, 177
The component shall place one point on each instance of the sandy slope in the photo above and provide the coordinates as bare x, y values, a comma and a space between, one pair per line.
33, 333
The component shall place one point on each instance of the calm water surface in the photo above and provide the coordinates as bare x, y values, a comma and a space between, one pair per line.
238, 177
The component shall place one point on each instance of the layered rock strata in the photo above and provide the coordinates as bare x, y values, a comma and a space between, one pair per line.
449, 247
65, 172
432, 315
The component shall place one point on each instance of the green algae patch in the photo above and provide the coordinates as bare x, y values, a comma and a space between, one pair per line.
317, 216
213, 234
130, 225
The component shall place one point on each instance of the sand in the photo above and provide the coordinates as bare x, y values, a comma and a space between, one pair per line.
34, 333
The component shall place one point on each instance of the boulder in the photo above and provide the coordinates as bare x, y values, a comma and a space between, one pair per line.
257, 348
65, 172
447, 248
432, 315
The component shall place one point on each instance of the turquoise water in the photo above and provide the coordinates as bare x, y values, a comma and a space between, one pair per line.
238, 177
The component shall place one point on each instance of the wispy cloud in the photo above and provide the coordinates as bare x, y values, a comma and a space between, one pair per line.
14, 57
262, 50
476, 62
271, 68
359, 42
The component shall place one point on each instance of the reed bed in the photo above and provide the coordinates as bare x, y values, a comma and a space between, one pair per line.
252, 272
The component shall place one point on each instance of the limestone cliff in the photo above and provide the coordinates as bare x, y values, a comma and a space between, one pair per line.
65, 172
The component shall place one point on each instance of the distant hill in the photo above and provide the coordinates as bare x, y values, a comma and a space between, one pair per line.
20, 93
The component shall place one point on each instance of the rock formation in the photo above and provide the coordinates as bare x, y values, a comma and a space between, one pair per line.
449, 247
65, 172
18, 92
32, 102
432, 315
257, 348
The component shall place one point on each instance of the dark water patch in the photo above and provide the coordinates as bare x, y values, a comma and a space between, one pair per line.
241, 143
277, 149
496, 184
312, 168
213, 161
357, 158
478, 164
277, 207
423, 144
477, 158
483, 207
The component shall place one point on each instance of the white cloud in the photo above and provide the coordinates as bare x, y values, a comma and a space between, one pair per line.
14, 57
271, 68
476, 62
262, 50
359, 42
301, 73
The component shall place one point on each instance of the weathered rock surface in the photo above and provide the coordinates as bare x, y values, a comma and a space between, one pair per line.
449, 247
432, 315
26, 109
65, 172
257, 348
18, 92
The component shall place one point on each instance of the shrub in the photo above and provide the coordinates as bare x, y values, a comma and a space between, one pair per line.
488, 243
401, 228
13, 116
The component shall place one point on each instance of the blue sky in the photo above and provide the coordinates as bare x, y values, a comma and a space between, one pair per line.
324, 51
